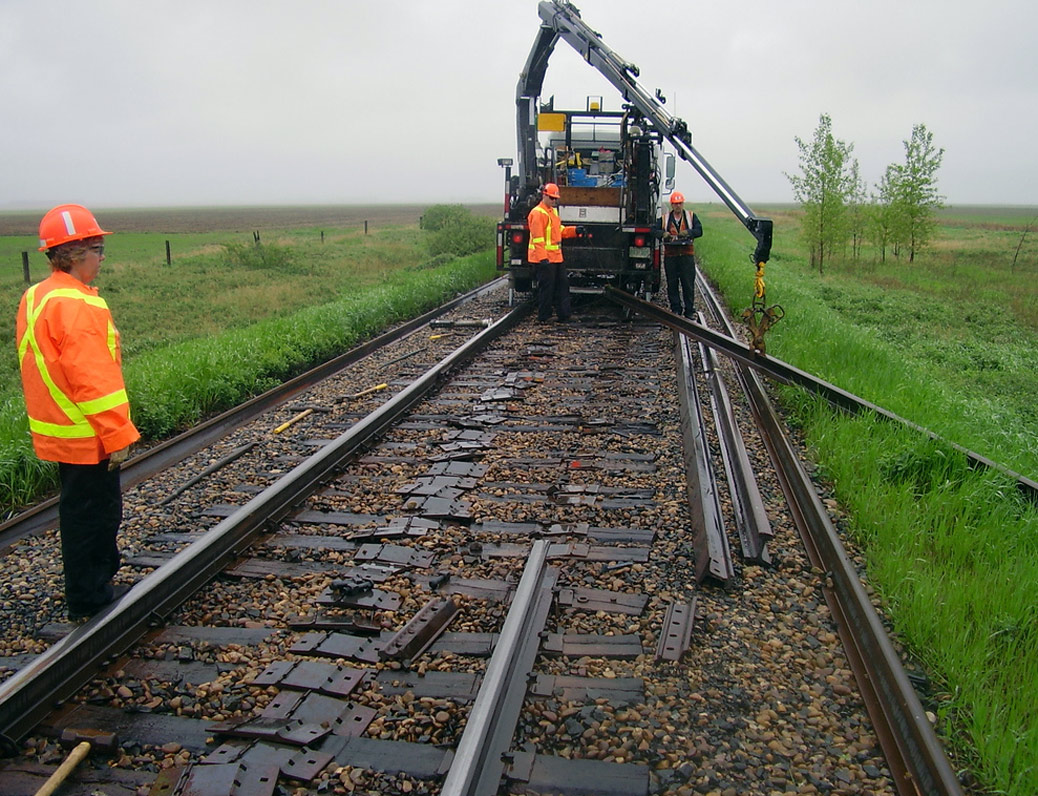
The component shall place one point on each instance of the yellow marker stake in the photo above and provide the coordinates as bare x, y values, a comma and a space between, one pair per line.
370, 390
295, 419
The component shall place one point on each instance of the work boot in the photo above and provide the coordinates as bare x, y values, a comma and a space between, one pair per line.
80, 614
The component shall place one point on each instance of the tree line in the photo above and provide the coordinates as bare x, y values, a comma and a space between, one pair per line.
899, 216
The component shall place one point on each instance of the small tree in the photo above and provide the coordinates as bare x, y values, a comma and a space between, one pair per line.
915, 192
439, 216
823, 189
1020, 243
452, 230
857, 210
882, 226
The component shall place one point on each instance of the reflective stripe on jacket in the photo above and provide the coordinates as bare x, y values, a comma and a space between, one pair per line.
688, 222
546, 234
70, 360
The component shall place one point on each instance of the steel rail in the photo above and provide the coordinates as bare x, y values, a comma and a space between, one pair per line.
149, 463
69, 664
788, 374
751, 519
713, 555
913, 752
478, 764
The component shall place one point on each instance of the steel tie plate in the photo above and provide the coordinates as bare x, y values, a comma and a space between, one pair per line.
603, 600
581, 777
338, 645
376, 599
256, 779
459, 686
306, 764
202, 780
283, 705
227, 752
416, 636
274, 673
290, 732
579, 645
677, 631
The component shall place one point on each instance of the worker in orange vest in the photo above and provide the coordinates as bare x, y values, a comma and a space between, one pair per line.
79, 415
545, 252
679, 229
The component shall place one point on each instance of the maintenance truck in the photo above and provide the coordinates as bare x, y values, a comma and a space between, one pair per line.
607, 165
611, 169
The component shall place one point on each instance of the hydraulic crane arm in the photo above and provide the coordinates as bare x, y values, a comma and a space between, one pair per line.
527, 93
561, 19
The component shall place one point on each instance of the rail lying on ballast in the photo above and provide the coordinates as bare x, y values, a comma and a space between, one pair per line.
788, 374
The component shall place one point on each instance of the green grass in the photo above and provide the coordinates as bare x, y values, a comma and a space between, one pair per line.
943, 342
206, 290
947, 342
228, 320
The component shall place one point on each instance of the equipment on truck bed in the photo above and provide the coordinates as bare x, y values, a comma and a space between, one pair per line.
611, 170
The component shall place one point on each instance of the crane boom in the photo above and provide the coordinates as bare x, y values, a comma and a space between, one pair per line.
561, 19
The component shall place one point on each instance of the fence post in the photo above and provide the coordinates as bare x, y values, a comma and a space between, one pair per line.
365, 227
322, 236
169, 259
25, 267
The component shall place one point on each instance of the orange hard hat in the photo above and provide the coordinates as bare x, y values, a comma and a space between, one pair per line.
677, 198
66, 223
551, 189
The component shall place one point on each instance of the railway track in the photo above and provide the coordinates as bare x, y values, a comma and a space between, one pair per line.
164, 455
515, 558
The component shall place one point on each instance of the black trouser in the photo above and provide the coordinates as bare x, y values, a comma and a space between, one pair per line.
552, 291
89, 510
681, 271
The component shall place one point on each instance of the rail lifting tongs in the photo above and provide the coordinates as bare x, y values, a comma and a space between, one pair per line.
759, 317
562, 19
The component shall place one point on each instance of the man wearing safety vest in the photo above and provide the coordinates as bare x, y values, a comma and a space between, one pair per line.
79, 415
679, 229
545, 251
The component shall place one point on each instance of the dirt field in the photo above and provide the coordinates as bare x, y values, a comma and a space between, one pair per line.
213, 219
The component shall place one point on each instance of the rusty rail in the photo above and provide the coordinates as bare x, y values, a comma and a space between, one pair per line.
788, 374
914, 753
478, 762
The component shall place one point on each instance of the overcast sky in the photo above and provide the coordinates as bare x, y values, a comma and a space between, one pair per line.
119, 103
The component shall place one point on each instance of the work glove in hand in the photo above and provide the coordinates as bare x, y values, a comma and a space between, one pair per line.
116, 458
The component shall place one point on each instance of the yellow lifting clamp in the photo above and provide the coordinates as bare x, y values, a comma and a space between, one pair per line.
759, 317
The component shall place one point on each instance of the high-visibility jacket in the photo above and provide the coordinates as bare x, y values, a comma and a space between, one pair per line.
71, 363
546, 234
688, 223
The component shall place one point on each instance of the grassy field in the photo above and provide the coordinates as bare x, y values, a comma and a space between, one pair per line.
226, 318
949, 342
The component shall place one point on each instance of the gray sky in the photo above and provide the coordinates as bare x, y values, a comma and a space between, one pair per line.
118, 103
